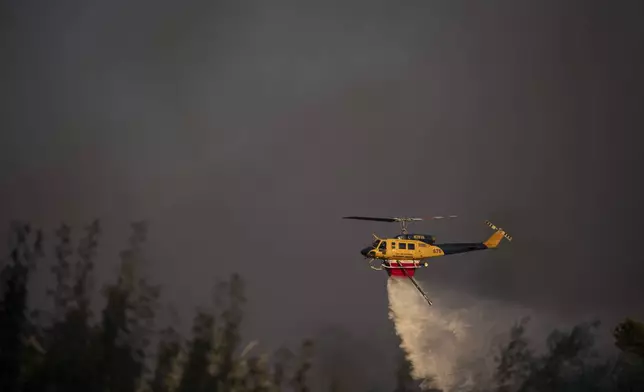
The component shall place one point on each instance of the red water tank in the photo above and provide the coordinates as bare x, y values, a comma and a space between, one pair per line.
395, 270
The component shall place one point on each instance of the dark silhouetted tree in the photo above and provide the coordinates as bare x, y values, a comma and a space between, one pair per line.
168, 352
299, 380
126, 320
283, 360
69, 361
26, 249
629, 369
515, 361
62, 271
564, 364
196, 375
231, 299
629, 337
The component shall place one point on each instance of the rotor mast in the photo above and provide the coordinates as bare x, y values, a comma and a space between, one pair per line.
404, 222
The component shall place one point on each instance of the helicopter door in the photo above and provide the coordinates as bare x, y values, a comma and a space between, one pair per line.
411, 247
383, 247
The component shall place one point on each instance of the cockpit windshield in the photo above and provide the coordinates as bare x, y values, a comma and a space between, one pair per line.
375, 243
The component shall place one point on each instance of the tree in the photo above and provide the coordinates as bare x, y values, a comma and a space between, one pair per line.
227, 333
25, 251
299, 380
62, 270
515, 360
69, 360
168, 352
70, 352
629, 369
629, 337
563, 364
196, 375
126, 320
283, 359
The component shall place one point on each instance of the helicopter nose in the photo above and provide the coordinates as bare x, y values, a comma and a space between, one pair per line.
365, 251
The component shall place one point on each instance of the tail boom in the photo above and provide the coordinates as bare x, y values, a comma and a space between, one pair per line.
491, 243
451, 249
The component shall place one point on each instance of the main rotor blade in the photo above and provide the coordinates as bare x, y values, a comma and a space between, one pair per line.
397, 219
369, 218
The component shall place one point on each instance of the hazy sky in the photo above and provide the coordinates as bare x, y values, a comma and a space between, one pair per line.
244, 131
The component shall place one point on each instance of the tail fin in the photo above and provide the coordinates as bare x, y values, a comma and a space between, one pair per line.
496, 238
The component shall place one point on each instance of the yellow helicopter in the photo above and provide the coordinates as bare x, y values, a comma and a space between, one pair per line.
406, 252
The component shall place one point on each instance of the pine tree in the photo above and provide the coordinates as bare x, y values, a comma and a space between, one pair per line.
196, 375
299, 380
228, 335
629, 368
515, 360
62, 270
561, 366
126, 320
25, 251
70, 360
168, 351
283, 358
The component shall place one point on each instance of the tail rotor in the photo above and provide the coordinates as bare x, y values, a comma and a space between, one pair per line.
498, 229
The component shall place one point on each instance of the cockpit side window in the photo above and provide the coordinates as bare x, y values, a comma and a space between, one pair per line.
383, 246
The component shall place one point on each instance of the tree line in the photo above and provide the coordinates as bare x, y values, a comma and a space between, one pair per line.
123, 350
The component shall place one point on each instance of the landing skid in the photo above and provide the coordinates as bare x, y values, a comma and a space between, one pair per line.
384, 265
375, 268
407, 266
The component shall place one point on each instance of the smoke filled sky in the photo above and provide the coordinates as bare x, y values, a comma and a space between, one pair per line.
243, 132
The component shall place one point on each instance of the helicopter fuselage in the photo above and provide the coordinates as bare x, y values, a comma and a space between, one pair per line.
403, 248
409, 250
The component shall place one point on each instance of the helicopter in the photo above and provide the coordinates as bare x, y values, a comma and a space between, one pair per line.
403, 254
